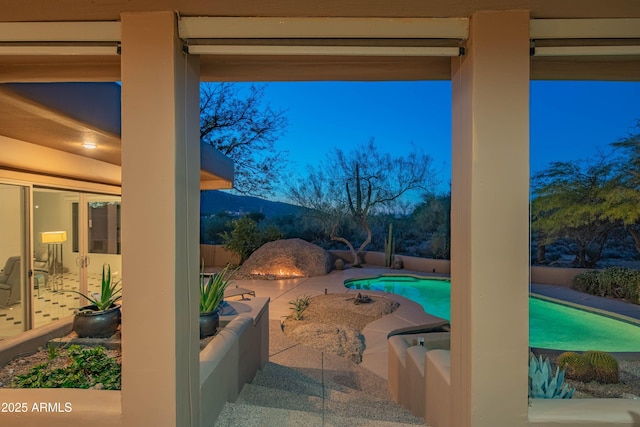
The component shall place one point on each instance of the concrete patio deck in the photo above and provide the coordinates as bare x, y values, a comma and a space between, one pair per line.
409, 314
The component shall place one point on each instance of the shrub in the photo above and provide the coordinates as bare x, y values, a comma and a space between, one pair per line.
89, 367
620, 282
586, 282
245, 237
603, 365
616, 282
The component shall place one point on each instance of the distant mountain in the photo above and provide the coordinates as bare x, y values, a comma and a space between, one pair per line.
213, 201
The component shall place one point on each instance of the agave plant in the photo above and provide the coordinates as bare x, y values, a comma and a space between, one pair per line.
110, 293
542, 382
212, 292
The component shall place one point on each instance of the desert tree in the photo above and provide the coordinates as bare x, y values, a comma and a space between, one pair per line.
570, 206
349, 187
624, 197
246, 235
432, 217
243, 126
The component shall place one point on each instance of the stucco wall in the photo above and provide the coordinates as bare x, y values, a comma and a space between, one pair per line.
218, 256
428, 265
232, 358
543, 275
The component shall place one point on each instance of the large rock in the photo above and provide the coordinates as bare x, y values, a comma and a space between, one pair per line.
286, 259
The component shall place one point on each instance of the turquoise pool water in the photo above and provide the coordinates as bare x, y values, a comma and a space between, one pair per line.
551, 325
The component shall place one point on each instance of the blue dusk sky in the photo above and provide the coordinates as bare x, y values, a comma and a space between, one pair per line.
569, 120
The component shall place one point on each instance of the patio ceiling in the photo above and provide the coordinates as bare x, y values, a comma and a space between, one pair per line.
64, 116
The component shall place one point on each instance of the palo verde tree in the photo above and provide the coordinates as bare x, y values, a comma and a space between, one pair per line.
432, 217
349, 187
569, 207
243, 127
624, 197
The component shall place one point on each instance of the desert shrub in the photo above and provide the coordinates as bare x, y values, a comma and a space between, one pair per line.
88, 367
617, 282
621, 282
586, 282
603, 365
245, 237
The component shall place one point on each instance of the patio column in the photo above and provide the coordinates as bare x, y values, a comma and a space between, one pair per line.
160, 246
490, 223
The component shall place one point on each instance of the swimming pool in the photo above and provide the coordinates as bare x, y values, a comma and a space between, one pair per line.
551, 325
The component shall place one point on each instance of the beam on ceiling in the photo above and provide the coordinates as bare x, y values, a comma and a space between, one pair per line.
323, 50
68, 49
618, 28
102, 31
587, 51
301, 28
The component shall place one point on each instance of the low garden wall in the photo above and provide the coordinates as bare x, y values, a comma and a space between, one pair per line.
542, 275
230, 360
217, 256
427, 265
554, 275
409, 381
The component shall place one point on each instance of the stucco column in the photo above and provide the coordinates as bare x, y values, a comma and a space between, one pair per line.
160, 218
490, 223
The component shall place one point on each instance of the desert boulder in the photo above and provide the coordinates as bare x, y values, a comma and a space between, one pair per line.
286, 259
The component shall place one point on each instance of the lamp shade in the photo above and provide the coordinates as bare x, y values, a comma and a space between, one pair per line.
53, 236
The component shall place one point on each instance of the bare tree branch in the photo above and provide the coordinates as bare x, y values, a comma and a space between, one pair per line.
348, 187
245, 129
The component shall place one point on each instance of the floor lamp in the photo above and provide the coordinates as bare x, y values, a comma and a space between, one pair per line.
54, 240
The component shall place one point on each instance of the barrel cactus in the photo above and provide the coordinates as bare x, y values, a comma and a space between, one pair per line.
604, 366
575, 366
544, 384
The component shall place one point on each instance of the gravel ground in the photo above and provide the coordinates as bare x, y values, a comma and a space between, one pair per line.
333, 323
628, 387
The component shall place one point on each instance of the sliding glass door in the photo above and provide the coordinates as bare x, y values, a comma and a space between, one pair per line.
75, 234
100, 219
54, 266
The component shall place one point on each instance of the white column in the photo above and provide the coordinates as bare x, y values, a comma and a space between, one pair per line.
490, 223
160, 217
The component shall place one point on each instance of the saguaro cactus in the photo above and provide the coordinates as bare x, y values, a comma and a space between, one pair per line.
389, 248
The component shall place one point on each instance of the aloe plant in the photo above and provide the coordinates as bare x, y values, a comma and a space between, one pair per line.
544, 384
212, 292
299, 305
110, 293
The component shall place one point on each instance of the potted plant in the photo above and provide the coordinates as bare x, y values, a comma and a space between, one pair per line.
211, 295
101, 318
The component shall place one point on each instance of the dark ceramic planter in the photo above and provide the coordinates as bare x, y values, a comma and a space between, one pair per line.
209, 323
89, 323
